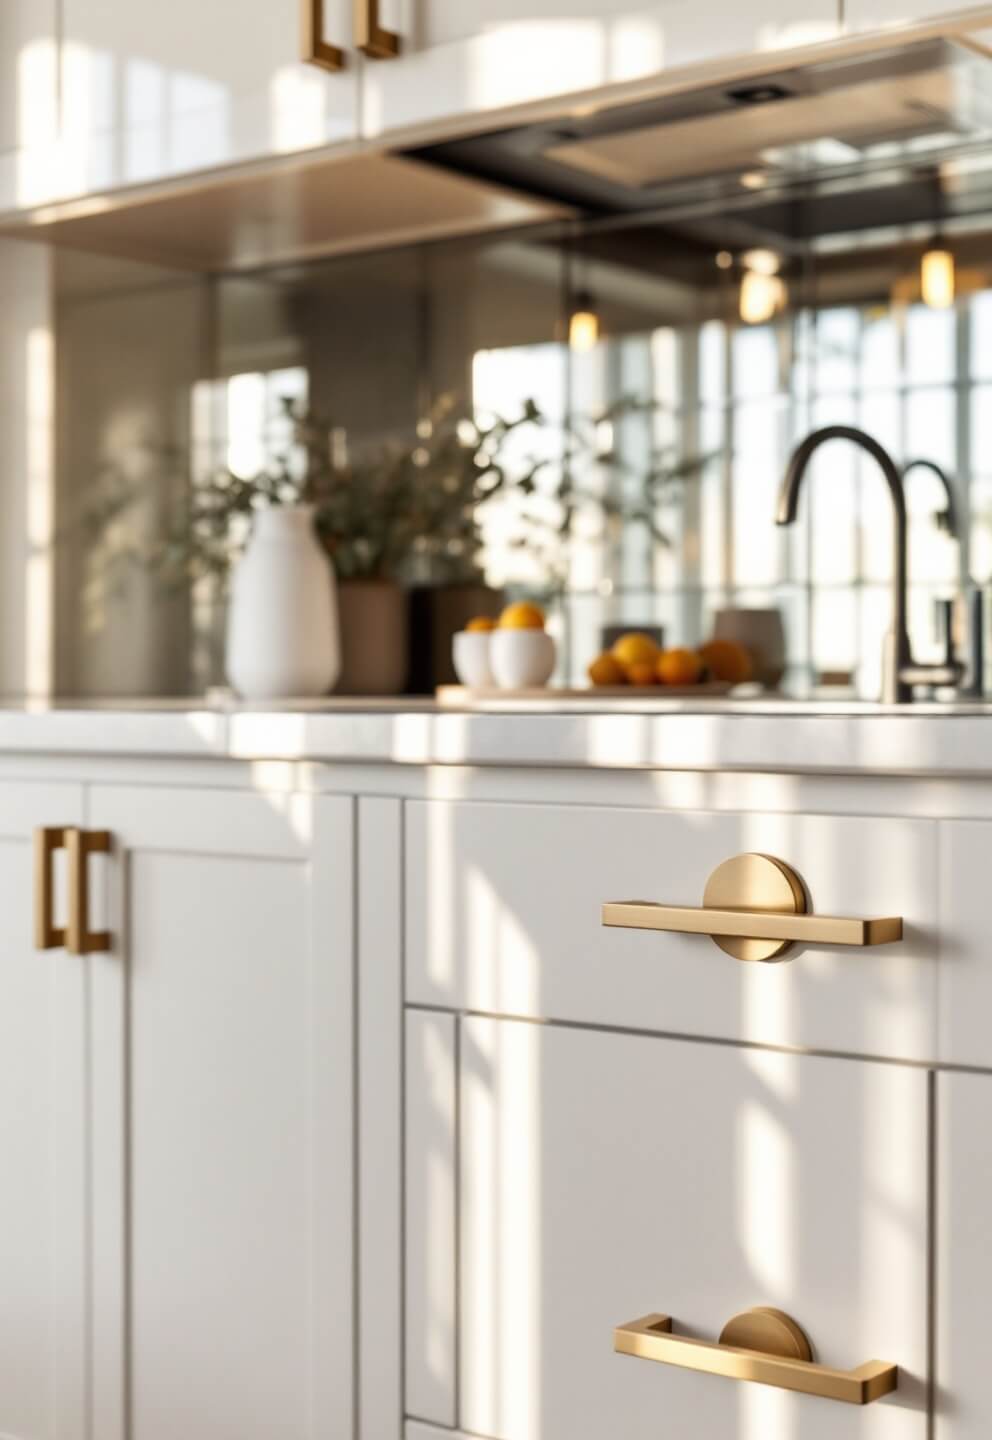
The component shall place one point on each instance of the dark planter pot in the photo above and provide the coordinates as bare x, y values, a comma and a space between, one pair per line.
374, 654
436, 614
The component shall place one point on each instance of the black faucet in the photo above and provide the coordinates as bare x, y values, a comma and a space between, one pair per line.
900, 673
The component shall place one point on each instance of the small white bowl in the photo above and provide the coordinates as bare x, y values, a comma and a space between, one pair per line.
470, 653
521, 659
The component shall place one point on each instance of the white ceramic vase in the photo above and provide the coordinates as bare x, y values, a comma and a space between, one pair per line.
282, 632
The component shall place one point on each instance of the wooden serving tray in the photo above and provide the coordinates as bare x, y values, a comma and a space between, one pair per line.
462, 695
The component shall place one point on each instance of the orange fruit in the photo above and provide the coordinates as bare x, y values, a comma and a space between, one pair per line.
607, 670
522, 616
635, 649
726, 660
679, 667
642, 673
481, 624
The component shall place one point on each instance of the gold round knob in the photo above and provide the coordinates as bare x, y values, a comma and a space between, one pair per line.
756, 883
770, 1331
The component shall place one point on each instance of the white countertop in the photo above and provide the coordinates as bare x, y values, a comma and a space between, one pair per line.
756, 735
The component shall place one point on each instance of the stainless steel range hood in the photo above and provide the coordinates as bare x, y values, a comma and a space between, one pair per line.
862, 118
916, 104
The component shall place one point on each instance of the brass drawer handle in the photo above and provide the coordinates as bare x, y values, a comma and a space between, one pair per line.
763, 1345
755, 908
370, 37
47, 936
313, 47
81, 844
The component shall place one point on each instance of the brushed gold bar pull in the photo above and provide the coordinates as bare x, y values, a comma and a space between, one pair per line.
314, 49
755, 908
788, 1364
81, 844
47, 935
372, 38
753, 925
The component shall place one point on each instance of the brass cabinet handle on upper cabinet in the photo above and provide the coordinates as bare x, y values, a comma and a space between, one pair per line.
81, 844
314, 48
47, 936
370, 37
741, 1354
754, 907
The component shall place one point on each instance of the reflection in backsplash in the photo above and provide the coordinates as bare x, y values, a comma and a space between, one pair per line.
651, 470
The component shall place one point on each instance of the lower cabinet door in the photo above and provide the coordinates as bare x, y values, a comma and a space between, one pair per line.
601, 1177
44, 1124
222, 1172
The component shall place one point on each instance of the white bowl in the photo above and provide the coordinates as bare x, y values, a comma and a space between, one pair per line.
521, 659
470, 652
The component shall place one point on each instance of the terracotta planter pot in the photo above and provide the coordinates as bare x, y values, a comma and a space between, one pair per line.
374, 652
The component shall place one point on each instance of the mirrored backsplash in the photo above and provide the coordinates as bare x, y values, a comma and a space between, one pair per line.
598, 417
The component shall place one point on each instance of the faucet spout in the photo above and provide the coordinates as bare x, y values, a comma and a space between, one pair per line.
948, 520
898, 653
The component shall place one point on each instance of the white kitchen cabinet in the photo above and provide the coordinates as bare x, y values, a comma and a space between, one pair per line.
151, 91
44, 1114
963, 1259
222, 1170
29, 101
877, 14
601, 1176
465, 60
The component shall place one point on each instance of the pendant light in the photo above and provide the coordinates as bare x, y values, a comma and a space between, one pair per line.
583, 324
937, 277
937, 270
583, 315
763, 292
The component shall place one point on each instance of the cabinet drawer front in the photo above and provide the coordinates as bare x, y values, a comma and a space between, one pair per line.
504, 916
604, 1176
964, 1264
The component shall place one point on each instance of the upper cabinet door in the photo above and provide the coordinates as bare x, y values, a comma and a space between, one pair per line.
874, 14
461, 58
155, 90
29, 110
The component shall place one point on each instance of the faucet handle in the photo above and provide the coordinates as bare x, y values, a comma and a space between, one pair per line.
947, 628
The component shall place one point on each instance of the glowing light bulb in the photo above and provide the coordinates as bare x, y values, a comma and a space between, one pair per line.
761, 296
937, 279
583, 328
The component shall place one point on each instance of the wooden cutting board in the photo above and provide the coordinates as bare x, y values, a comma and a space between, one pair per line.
455, 695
